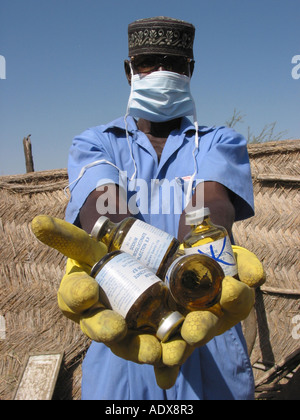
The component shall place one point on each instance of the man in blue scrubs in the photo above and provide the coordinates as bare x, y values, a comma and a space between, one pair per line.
154, 163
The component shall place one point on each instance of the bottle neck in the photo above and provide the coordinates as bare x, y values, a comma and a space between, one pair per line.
106, 233
205, 223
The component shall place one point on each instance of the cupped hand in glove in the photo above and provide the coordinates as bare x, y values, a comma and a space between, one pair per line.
78, 299
78, 294
236, 303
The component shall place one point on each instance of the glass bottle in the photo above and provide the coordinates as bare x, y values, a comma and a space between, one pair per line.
195, 282
208, 239
136, 293
151, 246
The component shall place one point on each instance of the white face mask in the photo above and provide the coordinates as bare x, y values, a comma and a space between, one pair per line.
160, 96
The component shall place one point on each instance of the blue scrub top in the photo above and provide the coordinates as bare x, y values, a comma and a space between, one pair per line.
104, 154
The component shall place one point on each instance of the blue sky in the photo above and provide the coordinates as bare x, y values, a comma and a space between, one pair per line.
64, 68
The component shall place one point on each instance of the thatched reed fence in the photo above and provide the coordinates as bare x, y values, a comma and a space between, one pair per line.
29, 277
274, 235
30, 274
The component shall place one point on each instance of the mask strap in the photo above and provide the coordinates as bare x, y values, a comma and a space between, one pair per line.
189, 193
196, 148
126, 127
83, 170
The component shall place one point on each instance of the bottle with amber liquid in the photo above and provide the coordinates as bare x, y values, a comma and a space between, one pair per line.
151, 246
211, 240
136, 293
194, 282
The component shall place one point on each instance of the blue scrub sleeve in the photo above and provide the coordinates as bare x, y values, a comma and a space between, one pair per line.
226, 161
87, 149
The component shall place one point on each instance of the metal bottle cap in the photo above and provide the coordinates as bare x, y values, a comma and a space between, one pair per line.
98, 226
196, 215
169, 326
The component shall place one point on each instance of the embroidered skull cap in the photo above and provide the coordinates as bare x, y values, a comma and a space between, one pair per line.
161, 35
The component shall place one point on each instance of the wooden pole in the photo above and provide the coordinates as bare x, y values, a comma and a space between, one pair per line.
28, 154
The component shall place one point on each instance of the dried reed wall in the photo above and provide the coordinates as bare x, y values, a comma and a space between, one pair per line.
30, 273
274, 235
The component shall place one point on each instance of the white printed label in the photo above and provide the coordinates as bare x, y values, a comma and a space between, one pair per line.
122, 280
147, 244
221, 251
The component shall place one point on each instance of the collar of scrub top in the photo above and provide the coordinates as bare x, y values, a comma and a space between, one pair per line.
186, 125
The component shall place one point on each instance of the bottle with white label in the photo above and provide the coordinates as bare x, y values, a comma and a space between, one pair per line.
211, 240
151, 246
136, 293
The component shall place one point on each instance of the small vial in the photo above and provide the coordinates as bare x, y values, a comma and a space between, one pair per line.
136, 293
211, 240
195, 282
151, 246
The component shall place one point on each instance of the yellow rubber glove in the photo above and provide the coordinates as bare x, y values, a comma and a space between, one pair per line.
250, 269
78, 294
78, 299
236, 302
199, 327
